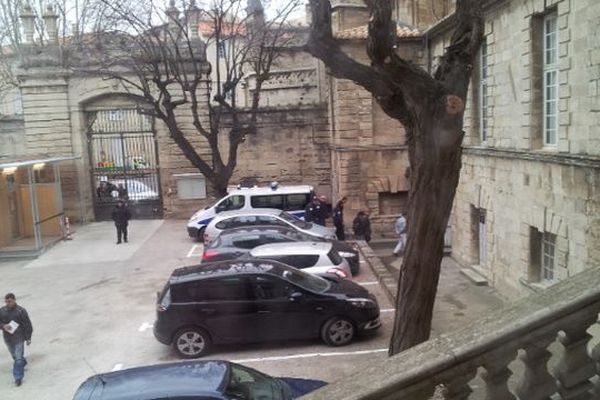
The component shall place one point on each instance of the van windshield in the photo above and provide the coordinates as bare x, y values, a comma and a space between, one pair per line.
295, 221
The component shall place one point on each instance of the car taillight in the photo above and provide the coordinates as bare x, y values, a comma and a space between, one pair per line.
338, 272
208, 254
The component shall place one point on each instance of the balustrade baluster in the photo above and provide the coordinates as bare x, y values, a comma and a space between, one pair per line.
456, 383
496, 375
537, 383
595, 355
575, 367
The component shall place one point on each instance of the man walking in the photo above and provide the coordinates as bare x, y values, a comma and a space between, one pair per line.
121, 216
400, 228
362, 226
17, 331
338, 218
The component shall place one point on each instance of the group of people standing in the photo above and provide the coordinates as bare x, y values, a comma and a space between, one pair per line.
318, 210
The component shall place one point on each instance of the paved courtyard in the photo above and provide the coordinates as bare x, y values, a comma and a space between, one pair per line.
92, 304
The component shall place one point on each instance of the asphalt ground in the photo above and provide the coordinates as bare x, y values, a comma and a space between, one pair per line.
92, 304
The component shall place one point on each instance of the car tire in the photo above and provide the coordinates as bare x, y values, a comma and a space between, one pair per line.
200, 237
338, 331
191, 342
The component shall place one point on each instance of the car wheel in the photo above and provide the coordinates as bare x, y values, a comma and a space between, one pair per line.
191, 342
338, 331
200, 237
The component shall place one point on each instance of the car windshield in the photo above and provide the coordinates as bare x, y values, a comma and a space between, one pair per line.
245, 383
295, 221
305, 280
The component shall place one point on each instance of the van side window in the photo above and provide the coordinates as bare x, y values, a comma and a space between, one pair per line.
268, 201
231, 203
297, 201
226, 289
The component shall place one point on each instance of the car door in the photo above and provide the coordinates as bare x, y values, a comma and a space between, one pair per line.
283, 310
226, 308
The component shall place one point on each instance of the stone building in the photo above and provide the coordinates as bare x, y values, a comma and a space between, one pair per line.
527, 209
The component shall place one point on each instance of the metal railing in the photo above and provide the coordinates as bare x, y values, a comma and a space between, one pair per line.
551, 323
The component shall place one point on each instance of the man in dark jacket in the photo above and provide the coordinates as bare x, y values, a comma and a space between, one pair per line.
313, 212
17, 331
362, 226
338, 218
121, 216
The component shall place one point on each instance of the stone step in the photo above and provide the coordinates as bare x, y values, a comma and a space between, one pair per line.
474, 276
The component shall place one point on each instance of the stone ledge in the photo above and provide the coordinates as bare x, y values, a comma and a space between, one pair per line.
539, 155
474, 276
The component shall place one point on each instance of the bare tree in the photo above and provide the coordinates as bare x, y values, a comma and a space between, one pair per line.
159, 55
75, 17
431, 109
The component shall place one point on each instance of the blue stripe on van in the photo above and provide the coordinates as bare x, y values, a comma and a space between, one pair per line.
204, 222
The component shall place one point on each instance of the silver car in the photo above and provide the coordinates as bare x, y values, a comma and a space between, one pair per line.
311, 257
264, 217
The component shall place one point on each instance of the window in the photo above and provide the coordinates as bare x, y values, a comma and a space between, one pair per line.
542, 250
334, 256
247, 242
550, 81
392, 203
547, 256
267, 288
297, 201
225, 289
483, 92
231, 203
269, 201
221, 49
191, 186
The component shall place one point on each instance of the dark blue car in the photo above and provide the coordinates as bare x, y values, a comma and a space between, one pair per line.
193, 380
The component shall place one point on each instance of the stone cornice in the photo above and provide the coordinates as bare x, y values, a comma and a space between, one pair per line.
544, 156
370, 147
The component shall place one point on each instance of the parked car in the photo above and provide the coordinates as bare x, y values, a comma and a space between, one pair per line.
233, 243
193, 380
257, 300
311, 257
274, 217
292, 199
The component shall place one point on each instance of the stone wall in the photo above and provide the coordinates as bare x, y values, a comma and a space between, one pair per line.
12, 136
523, 186
291, 146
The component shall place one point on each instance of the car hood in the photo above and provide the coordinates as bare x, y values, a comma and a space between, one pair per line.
299, 387
347, 287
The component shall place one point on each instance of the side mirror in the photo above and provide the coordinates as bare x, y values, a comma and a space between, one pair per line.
296, 296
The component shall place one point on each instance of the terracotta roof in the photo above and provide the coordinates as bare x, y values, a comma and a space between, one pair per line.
362, 32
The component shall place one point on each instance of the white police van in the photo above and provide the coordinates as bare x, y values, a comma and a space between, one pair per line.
292, 199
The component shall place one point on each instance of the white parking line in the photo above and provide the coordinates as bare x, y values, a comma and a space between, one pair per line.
117, 367
387, 310
368, 283
191, 252
144, 326
309, 355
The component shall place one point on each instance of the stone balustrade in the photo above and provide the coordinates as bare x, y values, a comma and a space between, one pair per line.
539, 347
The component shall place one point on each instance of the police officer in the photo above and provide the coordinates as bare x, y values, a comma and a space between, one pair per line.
338, 218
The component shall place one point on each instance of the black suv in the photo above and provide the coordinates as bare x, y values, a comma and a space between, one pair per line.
257, 300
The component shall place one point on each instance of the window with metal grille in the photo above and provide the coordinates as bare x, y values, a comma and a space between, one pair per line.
550, 85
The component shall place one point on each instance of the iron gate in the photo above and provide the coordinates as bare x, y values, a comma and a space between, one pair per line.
124, 163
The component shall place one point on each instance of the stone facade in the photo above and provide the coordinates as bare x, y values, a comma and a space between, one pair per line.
514, 190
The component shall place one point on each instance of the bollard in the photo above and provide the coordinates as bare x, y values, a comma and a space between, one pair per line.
67, 229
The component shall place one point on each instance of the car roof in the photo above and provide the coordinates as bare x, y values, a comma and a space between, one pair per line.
158, 381
226, 268
295, 248
265, 190
249, 213
256, 230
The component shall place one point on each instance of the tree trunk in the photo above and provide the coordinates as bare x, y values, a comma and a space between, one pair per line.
435, 158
